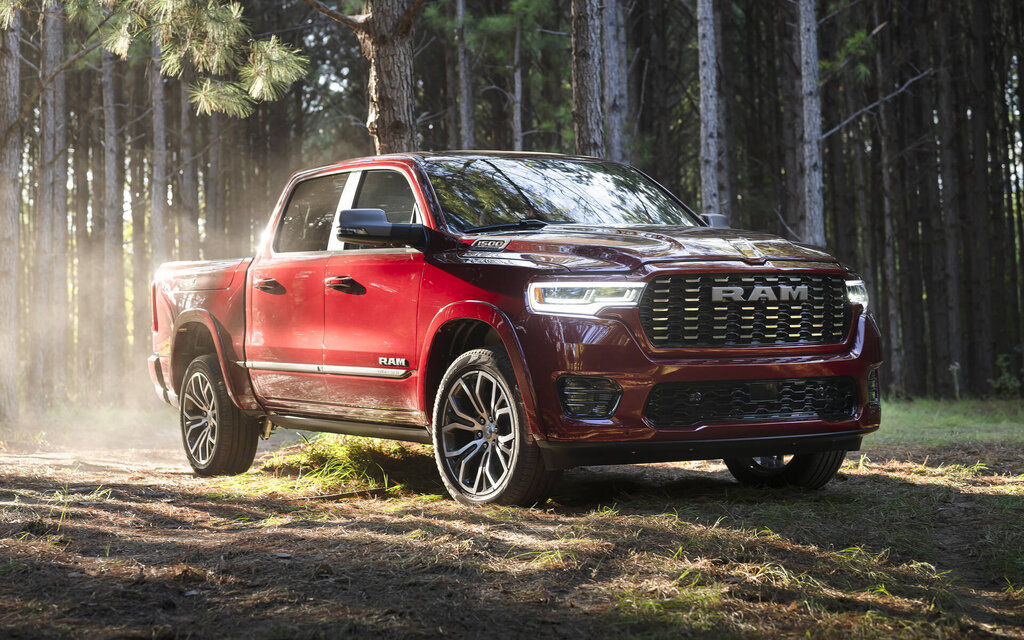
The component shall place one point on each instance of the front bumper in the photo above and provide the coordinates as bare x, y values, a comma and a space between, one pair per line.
564, 455
611, 347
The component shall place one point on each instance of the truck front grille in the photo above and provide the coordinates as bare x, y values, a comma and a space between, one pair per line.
686, 404
678, 311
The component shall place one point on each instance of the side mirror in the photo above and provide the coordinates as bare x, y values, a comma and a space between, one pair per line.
371, 227
716, 220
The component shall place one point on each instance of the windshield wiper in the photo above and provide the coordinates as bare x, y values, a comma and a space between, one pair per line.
525, 223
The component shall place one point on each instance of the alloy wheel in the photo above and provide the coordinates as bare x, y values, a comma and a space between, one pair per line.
479, 436
199, 418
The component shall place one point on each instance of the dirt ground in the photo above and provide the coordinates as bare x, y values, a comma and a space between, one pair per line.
906, 542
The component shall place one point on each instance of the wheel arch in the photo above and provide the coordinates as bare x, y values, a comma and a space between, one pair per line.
462, 326
196, 333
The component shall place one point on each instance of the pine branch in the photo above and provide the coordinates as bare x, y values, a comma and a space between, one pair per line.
352, 22
874, 104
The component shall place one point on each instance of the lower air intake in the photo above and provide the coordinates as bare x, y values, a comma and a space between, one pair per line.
686, 404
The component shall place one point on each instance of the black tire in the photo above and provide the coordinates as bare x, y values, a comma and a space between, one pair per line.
525, 480
807, 471
235, 435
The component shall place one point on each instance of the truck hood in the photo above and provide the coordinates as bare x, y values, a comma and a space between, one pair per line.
601, 248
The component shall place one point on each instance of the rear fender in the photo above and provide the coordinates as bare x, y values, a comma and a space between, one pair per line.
236, 377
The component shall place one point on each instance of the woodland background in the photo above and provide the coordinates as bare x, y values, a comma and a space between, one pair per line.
128, 140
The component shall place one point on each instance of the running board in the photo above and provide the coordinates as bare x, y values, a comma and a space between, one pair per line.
351, 428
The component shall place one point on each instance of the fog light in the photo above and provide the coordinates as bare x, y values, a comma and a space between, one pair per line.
874, 388
589, 397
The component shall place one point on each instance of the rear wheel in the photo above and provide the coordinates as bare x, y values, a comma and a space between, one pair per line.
481, 441
219, 439
807, 470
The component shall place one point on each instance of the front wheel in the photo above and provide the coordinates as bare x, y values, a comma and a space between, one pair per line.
481, 441
807, 470
219, 439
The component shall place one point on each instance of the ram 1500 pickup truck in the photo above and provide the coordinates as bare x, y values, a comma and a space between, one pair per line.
523, 313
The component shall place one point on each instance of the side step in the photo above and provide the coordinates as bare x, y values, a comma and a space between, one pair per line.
351, 428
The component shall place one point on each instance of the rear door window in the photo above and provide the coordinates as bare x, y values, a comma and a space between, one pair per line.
309, 215
390, 191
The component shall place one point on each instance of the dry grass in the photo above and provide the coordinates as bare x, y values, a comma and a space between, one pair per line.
910, 541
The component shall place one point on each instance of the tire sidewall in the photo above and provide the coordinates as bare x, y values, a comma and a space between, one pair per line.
486, 360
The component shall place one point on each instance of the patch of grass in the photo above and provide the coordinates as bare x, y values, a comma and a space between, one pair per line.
945, 422
336, 464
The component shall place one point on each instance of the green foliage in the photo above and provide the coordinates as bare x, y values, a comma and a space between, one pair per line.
1008, 383
210, 37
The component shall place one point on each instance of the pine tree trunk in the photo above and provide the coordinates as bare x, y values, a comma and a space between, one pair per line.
726, 188
979, 257
113, 237
10, 208
85, 298
385, 37
707, 51
141, 322
616, 97
517, 90
61, 288
588, 122
189, 184
813, 204
44, 266
160, 229
892, 289
466, 125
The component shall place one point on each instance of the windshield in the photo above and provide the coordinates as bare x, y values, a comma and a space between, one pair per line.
477, 192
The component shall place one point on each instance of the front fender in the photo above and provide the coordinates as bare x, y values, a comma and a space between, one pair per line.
236, 377
497, 320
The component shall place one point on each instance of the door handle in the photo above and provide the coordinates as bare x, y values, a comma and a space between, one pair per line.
269, 285
344, 284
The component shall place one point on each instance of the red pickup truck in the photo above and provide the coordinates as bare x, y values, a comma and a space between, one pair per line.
523, 313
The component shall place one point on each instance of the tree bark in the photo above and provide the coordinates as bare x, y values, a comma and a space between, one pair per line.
466, 124
726, 190
58, 305
616, 96
113, 237
10, 208
979, 262
709, 200
517, 89
892, 288
141, 336
189, 183
588, 123
44, 267
159, 227
813, 200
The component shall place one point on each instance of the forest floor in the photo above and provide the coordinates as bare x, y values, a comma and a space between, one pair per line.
920, 536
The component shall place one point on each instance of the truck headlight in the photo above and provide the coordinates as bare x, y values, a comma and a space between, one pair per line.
570, 298
857, 293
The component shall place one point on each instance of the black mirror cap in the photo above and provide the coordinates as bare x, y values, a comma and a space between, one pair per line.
716, 220
371, 227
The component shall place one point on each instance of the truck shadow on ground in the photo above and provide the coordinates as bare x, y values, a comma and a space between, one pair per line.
640, 550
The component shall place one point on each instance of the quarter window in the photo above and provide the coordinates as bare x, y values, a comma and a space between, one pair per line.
306, 223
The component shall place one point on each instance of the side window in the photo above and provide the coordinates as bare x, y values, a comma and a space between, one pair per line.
306, 223
387, 190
